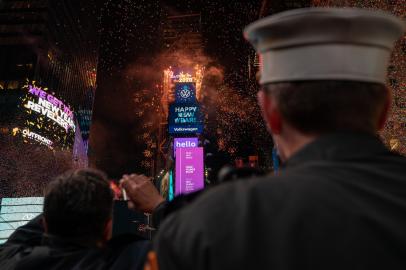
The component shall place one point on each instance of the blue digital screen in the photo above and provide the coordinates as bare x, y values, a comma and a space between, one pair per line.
185, 114
185, 118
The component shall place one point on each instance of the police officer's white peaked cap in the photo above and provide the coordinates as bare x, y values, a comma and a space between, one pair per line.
325, 44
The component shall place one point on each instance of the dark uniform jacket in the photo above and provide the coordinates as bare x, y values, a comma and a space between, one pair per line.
28, 248
340, 203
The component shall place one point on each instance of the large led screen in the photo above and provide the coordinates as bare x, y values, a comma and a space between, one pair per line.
185, 118
15, 212
185, 93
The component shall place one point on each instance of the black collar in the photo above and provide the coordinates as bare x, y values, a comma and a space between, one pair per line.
339, 146
69, 242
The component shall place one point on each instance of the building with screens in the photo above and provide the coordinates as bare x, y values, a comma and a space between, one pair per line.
52, 45
48, 62
183, 49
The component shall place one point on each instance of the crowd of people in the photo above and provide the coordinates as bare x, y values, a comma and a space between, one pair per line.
339, 201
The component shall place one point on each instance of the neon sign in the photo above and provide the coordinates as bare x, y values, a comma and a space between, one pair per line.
184, 142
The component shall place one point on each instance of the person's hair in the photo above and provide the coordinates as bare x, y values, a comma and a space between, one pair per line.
78, 203
328, 106
165, 185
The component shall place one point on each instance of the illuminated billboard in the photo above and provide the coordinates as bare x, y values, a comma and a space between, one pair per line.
184, 142
46, 118
189, 170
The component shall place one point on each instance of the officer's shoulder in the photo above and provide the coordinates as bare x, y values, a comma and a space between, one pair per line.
273, 188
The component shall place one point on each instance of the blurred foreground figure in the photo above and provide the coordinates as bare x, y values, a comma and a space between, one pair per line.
74, 231
340, 201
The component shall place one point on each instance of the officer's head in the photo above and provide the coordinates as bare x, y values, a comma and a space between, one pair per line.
309, 109
78, 205
322, 71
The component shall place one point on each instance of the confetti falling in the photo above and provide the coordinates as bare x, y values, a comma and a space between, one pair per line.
30, 166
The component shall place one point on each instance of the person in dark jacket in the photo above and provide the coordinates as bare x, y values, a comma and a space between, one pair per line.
74, 231
340, 200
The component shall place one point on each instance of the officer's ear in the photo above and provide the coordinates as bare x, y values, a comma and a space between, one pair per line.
108, 230
44, 224
270, 112
385, 110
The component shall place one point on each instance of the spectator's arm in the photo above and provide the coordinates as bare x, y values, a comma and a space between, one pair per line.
142, 194
165, 208
29, 234
159, 214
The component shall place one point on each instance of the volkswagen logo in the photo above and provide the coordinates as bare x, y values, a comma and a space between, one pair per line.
185, 92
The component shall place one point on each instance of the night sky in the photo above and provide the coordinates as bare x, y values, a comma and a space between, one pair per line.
130, 45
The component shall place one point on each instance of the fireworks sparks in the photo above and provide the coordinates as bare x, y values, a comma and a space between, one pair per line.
394, 133
170, 78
